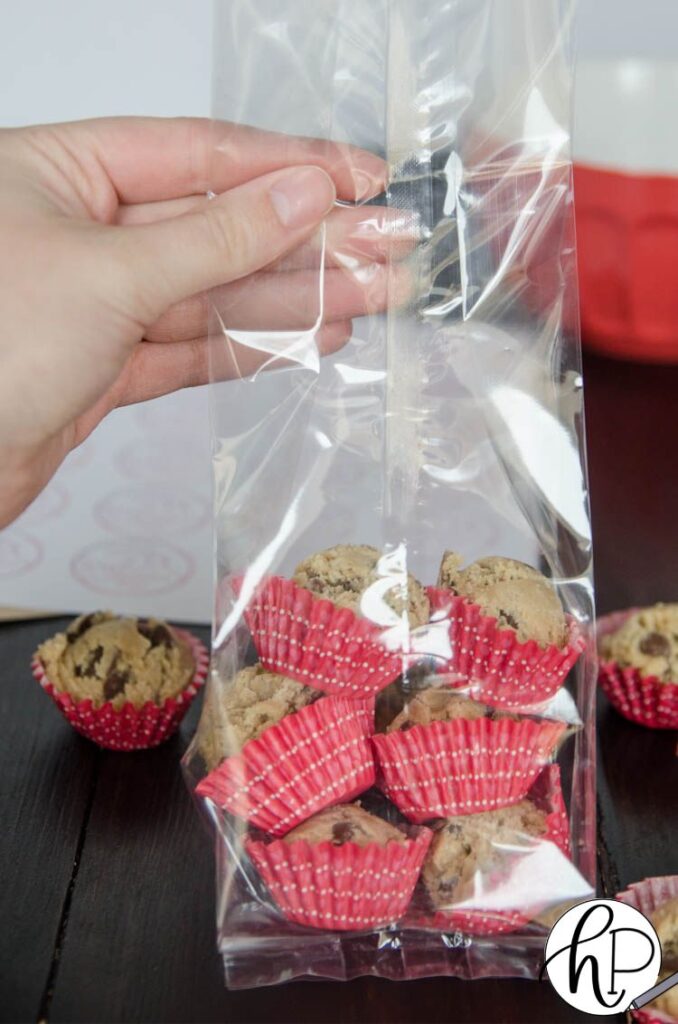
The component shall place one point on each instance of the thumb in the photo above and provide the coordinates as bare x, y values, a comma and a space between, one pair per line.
230, 237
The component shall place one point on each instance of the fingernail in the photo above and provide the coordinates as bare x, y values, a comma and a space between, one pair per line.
302, 196
365, 185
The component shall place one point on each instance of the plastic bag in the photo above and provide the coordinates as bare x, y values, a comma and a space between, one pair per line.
450, 422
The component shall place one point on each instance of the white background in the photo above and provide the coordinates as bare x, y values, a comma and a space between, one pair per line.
84, 58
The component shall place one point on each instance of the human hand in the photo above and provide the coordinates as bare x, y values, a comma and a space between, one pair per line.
109, 247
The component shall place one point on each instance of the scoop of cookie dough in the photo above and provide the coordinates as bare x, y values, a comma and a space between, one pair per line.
102, 657
244, 708
514, 593
470, 844
440, 704
346, 823
349, 576
648, 641
665, 921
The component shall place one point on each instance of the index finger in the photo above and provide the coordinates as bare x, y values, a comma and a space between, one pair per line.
151, 158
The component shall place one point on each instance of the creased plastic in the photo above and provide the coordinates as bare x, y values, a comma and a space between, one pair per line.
407, 378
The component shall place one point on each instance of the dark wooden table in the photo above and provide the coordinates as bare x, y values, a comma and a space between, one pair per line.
107, 878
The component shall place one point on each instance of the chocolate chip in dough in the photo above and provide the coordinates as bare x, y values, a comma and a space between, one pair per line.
655, 645
115, 683
509, 619
74, 632
342, 832
89, 671
157, 636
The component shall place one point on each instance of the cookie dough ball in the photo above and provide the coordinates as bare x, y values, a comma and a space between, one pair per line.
665, 921
102, 657
349, 576
514, 593
648, 641
346, 823
471, 844
243, 709
439, 704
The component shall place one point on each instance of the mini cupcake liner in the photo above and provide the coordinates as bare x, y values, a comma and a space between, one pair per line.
645, 700
315, 757
341, 888
547, 795
463, 766
501, 670
652, 1017
129, 727
647, 896
311, 640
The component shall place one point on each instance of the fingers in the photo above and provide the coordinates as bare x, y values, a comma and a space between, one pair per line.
151, 159
232, 236
157, 370
274, 301
363, 234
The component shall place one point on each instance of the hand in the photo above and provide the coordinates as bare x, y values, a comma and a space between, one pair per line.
109, 247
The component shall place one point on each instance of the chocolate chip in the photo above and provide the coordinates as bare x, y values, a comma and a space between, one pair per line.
509, 619
655, 645
157, 636
406, 725
75, 631
114, 684
342, 832
490, 713
454, 830
95, 657
466, 847
449, 885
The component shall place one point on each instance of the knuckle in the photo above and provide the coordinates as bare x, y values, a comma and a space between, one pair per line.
198, 363
231, 235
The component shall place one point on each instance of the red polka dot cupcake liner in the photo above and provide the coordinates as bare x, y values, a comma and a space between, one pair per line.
491, 661
652, 1017
647, 896
129, 727
341, 888
311, 759
308, 638
547, 795
645, 700
464, 766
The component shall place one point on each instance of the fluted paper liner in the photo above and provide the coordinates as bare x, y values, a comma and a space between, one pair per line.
492, 662
647, 896
129, 727
645, 700
315, 757
463, 766
341, 888
310, 639
547, 795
